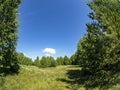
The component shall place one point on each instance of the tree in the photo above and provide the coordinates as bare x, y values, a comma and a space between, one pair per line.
8, 35
60, 61
37, 62
66, 60
108, 17
99, 50
74, 60
47, 62
44, 62
52, 62
22, 59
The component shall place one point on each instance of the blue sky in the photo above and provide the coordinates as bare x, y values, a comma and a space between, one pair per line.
51, 26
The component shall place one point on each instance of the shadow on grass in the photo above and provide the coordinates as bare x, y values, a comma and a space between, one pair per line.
73, 76
78, 78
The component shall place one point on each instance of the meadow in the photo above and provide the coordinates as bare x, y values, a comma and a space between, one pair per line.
54, 78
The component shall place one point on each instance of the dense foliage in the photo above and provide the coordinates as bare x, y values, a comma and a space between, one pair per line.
47, 62
60, 60
66, 60
24, 60
8, 35
37, 62
98, 51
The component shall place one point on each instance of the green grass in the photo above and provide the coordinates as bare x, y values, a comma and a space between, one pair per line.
57, 78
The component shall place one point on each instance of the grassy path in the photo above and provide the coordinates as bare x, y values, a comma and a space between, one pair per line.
58, 78
33, 78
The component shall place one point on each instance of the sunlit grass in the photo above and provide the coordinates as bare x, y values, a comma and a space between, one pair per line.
33, 78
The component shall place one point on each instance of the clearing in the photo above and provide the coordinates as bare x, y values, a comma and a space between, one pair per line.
56, 78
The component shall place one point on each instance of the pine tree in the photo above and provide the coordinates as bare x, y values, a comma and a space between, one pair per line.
45, 62
74, 59
8, 35
37, 62
99, 50
22, 59
60, 60
52, 62
66, 60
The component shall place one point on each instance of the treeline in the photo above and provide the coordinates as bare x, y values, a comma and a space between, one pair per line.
22, 59
45, 61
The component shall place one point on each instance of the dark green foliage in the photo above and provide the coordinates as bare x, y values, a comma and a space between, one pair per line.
53, 63
60, 61
66, 61
47, 62
37, 62
99, 50
8, 35
74, 60
63, 61
44, 62
24, 60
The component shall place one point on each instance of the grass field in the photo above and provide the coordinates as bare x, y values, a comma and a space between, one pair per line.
58, 78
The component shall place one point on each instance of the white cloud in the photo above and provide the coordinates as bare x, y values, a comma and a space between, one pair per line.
49, 51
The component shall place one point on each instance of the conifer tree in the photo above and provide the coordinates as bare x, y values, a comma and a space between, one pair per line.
60, 60
8, 35
99, 51
66, 60
37, 62
24, 60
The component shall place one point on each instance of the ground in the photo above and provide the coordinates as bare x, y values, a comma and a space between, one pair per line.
56, 78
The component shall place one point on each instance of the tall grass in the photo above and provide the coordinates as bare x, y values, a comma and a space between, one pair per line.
33, 78
37, 79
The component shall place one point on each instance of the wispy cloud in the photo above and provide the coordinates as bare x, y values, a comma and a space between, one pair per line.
49, 51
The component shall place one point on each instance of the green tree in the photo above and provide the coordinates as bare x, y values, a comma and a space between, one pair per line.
74, 60
44, 62
99, 50
107, 14
66, 60
60, 60
52, 62
47, 62
24, 60
8, 35
37, 62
